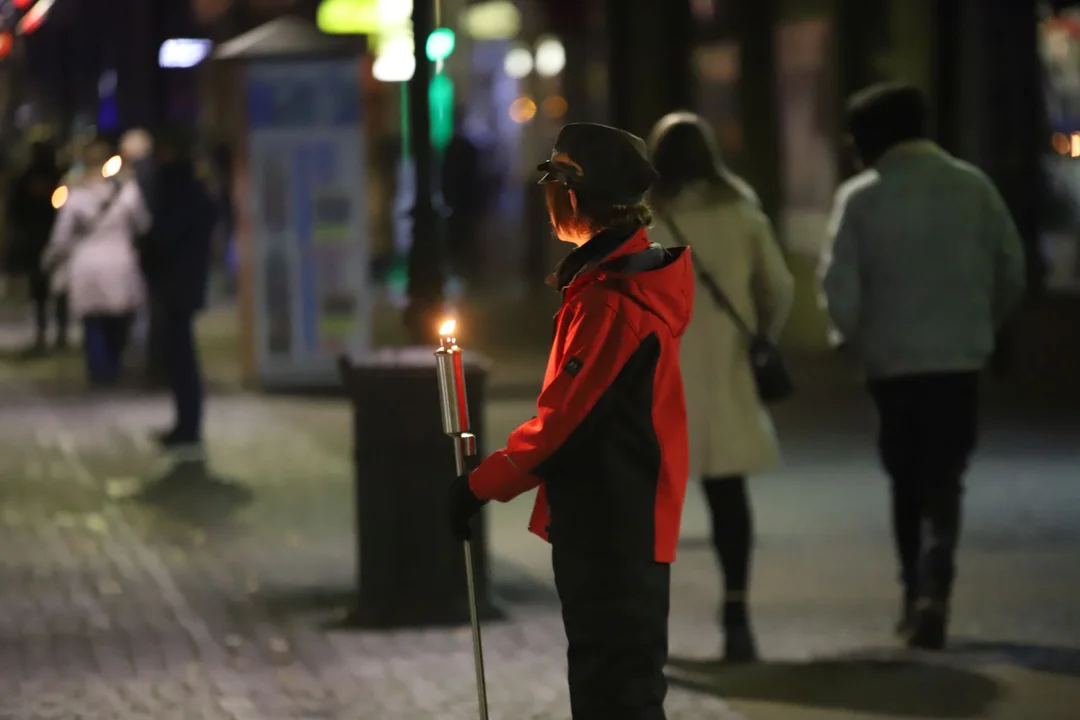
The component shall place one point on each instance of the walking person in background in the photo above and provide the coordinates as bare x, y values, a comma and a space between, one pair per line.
731, 433
177, 265
460, 191
94, 236
31, 216
925, 266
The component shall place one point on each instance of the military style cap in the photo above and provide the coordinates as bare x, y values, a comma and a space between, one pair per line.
604, 163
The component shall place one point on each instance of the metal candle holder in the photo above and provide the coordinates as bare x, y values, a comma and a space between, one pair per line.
455, 423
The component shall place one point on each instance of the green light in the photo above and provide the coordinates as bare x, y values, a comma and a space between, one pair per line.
441, 100
440, 44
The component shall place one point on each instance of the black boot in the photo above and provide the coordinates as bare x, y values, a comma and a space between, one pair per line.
930, 628
907, 616
739, 643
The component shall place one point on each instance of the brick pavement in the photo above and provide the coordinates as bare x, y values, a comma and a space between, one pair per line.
110, 608
122, 610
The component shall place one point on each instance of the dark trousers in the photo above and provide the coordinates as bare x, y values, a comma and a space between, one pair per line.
185, 376
41, 293
156, 361
732, 531
615, 612
105, 338
928, 430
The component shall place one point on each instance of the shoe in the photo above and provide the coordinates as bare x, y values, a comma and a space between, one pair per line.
906, 624
161, 437
929, 629
739, 645
184, 446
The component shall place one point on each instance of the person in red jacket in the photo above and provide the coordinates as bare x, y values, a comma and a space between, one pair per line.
608, 449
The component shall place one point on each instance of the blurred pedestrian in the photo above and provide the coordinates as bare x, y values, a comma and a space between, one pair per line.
94, 238
137, 153
461, 191
31, 215
925, 266
608, 447
731, 433
177, 266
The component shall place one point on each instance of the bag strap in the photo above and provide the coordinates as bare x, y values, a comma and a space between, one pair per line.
103, 210
718, 295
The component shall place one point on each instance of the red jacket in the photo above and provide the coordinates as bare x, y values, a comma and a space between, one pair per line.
608, 448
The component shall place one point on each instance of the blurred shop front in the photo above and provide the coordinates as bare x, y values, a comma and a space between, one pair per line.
1059, 45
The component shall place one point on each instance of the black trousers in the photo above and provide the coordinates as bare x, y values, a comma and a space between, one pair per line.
732, 531
928, 430
41, 293
157, 371
616, 616
184, 373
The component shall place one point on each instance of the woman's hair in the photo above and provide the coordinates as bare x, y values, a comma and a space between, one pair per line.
591, 217
94, 157
685, 152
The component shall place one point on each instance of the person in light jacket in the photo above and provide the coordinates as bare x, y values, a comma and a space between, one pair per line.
731, 433
925, 266
94, 236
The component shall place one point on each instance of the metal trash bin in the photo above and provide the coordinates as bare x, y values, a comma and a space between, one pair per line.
410, 568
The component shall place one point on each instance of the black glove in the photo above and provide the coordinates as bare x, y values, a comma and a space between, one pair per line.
463, 506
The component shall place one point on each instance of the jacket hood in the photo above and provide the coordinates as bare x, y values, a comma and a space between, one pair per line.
659, 279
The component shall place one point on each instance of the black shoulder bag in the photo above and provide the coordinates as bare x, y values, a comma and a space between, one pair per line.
770, 372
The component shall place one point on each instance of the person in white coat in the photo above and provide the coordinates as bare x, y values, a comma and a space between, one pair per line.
731, 433
94, 239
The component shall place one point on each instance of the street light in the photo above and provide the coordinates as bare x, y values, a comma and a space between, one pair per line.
491, 20
362, 17
440, 44
59, 197
550, 57
394, 60
518, 63
112, 166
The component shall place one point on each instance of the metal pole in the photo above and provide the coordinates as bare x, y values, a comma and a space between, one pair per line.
454, 408
474, 614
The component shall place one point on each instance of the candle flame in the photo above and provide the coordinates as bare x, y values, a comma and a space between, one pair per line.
447, 328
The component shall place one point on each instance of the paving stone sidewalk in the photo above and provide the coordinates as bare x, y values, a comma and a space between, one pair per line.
113, 609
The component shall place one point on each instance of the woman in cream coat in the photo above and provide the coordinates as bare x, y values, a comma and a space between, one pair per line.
731, 434
93, 240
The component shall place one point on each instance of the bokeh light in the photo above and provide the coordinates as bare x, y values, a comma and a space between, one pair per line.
523, 109
555, 106
112, 166
518, 63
